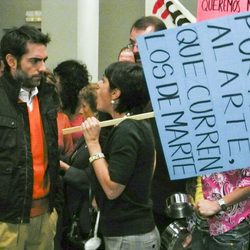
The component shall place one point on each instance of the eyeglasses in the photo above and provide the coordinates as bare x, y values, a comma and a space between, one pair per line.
132, 46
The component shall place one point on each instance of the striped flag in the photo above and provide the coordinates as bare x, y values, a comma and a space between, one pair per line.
169, 12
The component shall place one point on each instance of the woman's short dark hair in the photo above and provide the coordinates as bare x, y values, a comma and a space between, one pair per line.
73, 76
15, 41
129, 79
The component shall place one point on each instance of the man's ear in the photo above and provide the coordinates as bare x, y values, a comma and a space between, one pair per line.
11, 61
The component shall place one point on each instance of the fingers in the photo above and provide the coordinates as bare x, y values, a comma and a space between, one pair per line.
89, 123
91, 129
187, 241
206, 208
198, 209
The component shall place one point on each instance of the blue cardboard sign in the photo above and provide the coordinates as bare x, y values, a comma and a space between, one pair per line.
198, 77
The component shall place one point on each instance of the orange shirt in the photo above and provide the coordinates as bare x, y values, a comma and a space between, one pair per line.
77, 121
65, 142
39, 151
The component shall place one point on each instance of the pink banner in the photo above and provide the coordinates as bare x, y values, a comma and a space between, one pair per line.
207, 9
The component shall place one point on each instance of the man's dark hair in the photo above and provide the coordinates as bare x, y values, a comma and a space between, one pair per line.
146, 21
15, 41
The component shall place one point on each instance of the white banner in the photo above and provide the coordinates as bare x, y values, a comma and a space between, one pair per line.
172, 12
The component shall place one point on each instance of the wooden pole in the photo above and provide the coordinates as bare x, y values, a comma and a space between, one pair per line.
111, 122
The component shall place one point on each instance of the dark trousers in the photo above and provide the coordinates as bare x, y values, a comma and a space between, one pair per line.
235, 239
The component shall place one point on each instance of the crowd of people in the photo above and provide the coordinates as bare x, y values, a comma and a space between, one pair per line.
50, 182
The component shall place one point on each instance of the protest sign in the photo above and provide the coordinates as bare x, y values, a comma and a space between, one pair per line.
207, 9
198, 79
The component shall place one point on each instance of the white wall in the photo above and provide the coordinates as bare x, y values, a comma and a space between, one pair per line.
74, 29
12, 13
116, 18
60, 21
191, 5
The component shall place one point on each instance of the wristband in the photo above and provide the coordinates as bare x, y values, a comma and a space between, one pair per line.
96, 156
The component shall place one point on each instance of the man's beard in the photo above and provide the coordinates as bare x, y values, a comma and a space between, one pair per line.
27, 81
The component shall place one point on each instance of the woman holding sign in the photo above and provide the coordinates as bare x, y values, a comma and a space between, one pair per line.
124, 166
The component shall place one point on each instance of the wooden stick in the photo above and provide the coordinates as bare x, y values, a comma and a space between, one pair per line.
111, 122
185, 11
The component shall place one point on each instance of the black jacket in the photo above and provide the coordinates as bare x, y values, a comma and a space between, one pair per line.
16, 171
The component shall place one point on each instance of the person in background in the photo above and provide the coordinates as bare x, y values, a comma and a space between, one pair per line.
162, 186
126, 54
142, 26
226, 206
29, 180
72, 77
78, 174
65, 142
76, 191
124, 166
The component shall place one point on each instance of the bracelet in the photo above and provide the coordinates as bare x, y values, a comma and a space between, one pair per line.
96, 156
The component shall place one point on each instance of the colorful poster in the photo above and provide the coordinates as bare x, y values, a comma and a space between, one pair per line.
198, 77
207, 9
169, 12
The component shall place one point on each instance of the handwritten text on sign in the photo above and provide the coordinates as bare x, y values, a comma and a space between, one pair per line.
207, 9
198, 78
